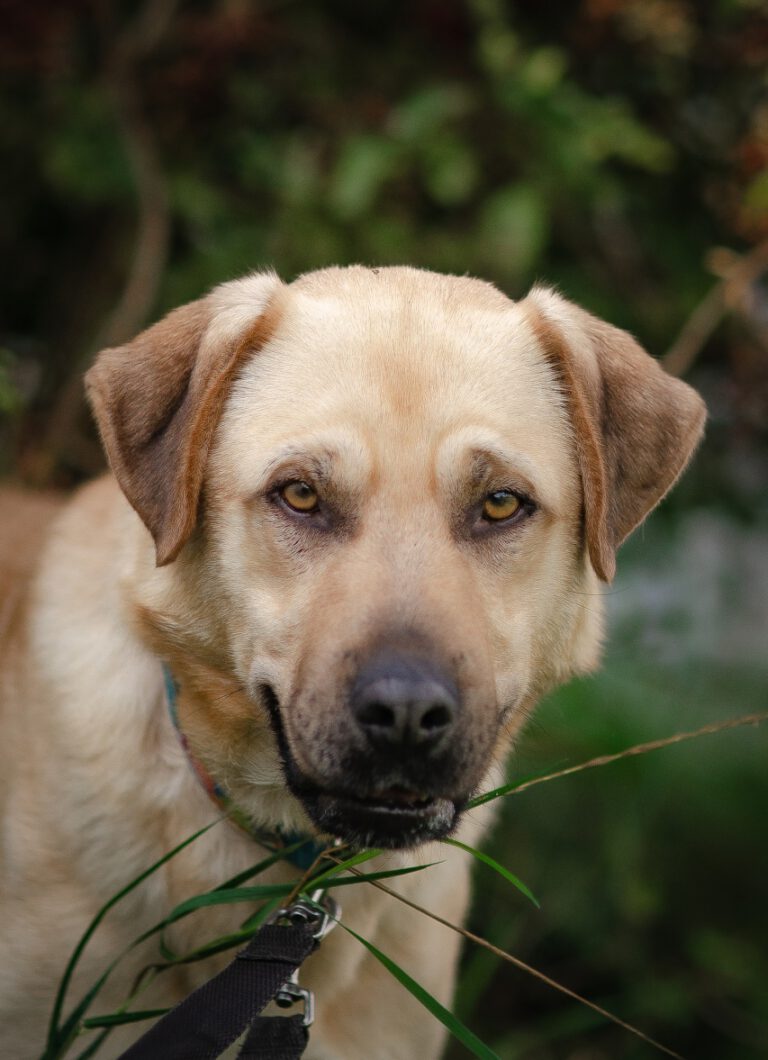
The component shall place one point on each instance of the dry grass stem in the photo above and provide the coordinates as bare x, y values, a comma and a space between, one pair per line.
526, 968
601, 760
644, 748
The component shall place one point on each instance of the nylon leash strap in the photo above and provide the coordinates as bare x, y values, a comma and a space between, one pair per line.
220, 1011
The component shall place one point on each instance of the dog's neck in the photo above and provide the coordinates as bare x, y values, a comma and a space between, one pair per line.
303, 848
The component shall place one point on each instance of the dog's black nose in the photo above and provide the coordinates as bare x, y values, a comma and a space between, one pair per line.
400, 700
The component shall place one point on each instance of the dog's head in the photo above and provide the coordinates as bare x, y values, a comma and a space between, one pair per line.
381, 501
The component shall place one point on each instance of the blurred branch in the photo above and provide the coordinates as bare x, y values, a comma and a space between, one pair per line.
731, 294
151, 247
150, 250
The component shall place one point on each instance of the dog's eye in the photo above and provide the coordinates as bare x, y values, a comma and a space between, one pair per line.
300, 497
501, 504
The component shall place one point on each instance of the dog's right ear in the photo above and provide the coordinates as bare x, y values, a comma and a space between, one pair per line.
157, 401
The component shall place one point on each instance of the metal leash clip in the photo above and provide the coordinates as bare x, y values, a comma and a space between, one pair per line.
318, 909
290, 992
322, 912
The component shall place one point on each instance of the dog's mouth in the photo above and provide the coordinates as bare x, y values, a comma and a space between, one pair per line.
392, 819
391, 815
398, 800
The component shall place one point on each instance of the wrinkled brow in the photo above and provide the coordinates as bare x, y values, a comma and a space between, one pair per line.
497, 469
475, 460
322, 457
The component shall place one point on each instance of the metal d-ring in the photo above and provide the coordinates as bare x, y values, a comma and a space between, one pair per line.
321, 911
290, 992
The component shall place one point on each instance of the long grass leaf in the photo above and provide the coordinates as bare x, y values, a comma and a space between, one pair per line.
168, 955
493, 864
58, 1003
505, 789
68, 1031
229, 896
353, 860
238, 894
385, 874
234, 881
117, 1019
95, 1045
228, 942
259, 867
64, 1034
461, 1032
255, 920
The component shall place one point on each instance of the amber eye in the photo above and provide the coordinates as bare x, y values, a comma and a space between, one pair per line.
501, 504
300, 496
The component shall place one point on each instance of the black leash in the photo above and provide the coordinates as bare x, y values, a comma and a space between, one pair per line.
216, 1014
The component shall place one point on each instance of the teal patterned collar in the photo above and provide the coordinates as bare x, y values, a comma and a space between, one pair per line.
308, 849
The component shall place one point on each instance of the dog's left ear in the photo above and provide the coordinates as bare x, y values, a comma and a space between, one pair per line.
635, 426
157, 401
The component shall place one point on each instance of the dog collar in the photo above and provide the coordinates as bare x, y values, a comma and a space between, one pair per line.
303, 857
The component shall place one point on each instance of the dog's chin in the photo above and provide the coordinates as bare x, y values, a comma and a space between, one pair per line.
389, 823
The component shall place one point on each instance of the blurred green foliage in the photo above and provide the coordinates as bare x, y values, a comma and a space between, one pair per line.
608, 146
605, 146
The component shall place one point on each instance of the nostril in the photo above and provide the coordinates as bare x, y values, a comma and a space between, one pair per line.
378, 715
436, 718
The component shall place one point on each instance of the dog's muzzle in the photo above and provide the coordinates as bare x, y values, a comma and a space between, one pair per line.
389, 772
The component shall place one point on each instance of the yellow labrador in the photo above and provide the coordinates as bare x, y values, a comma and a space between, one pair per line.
357, 517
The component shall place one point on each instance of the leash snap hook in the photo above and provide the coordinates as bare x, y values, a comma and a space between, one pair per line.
290, 992
320, 910
329, 909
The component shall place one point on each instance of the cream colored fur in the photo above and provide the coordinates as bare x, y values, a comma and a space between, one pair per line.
400, 375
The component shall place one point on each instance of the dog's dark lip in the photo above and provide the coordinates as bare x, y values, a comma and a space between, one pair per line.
413, 807
367, 823
395, 798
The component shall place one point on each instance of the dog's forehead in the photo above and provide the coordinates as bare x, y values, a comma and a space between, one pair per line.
396, 355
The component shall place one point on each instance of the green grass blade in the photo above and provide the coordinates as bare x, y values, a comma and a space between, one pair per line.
63, 1035
496, 793
234, 881
224, 894
211, 898
168, 955
255, 920
58, 1004
227, 942
95, 1045
261, 866
350, 862
385, 874
491, 863
223, 897
454, 1025
252, 924
219, 945
68, 1031
116, 1019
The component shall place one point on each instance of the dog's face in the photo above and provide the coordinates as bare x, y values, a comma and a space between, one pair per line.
393, 507
390, 494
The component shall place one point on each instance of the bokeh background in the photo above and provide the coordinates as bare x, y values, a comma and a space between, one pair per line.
618, 149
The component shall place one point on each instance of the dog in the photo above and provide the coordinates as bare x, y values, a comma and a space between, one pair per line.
356, 518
